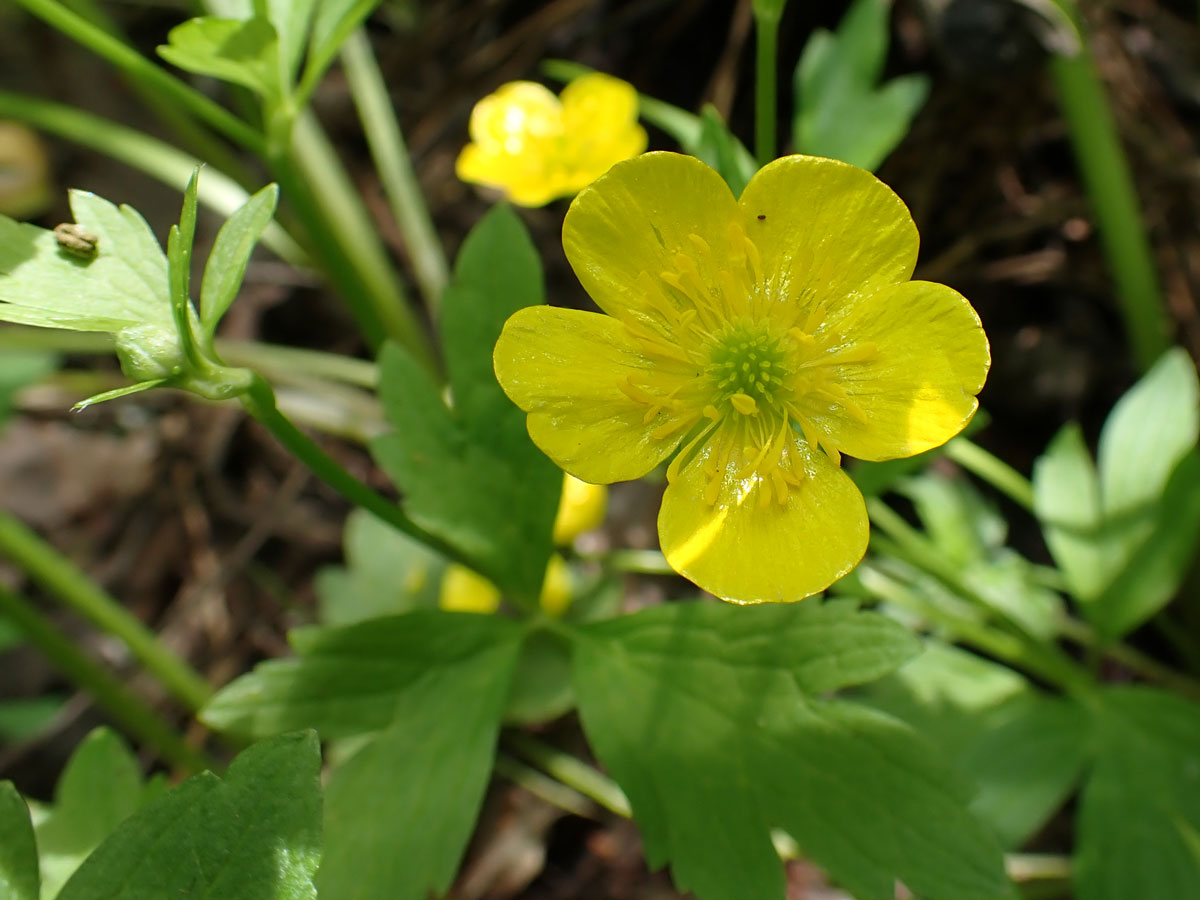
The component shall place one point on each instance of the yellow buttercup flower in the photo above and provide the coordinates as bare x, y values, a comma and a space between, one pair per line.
757, 340
537, 147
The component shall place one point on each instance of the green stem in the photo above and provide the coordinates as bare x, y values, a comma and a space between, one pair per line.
125, 707
993, 470
766, 29
1147, 667
74, 589
316, 183
395, 168
1109, 184
555, 792
571, 771
157, 159
145, 72
311, 363
260, 403
1046, 660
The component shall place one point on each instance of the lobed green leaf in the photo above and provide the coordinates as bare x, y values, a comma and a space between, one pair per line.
470, 474
707, 717
244, 52
253, 835
226, 266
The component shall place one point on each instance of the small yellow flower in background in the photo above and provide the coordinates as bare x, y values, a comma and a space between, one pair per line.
464, 590
757, 340
581, 509
537, 147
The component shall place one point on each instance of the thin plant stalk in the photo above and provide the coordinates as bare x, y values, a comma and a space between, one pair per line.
1046, 660
126, 708
394, 165
766, 31
314, 179
571, 771
1109, 184
75, 590
260, 402
990, 468
150, 75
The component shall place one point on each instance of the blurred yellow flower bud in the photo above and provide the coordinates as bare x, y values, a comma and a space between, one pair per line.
466, 591
556, 589
581, 509
536, 147
25, 188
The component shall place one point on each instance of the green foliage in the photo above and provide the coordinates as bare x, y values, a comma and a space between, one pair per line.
710, 717
840, 110
470, 474
1139, 818
1124, 531
19, 368
226, 266
18, 853
100, 788
433, 685
253, 835
386, 573
240, 52
715, 145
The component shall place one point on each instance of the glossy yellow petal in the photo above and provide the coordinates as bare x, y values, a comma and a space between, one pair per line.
924, 358
581, 508
749, 548
575, 373
648, 215
826, 232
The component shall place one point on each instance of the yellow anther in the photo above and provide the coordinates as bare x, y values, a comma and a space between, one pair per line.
635, 393
700, 243
744, 404
801, 337
711, 412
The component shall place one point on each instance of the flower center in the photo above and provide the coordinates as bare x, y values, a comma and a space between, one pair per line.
746, 368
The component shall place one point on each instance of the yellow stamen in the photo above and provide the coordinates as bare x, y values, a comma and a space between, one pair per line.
744, 404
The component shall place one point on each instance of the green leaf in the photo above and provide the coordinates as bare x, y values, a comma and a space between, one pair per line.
386, 573
1125, 535
18, 852
432, 685
180, 241
1147, 433
840, 112
401, 810
240, 52
718, 148
122, 286
471, 475
99, 789
541, 685
1139, 817
1066, 499
291, 19
254, 835
346, 680
334, 22
709, 717
1027, 759
226, 266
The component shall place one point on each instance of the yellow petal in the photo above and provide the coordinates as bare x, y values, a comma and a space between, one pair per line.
916, 387
746, 549
516, 112
826, 231
556, 589
598, 103
565, 368
628, 227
